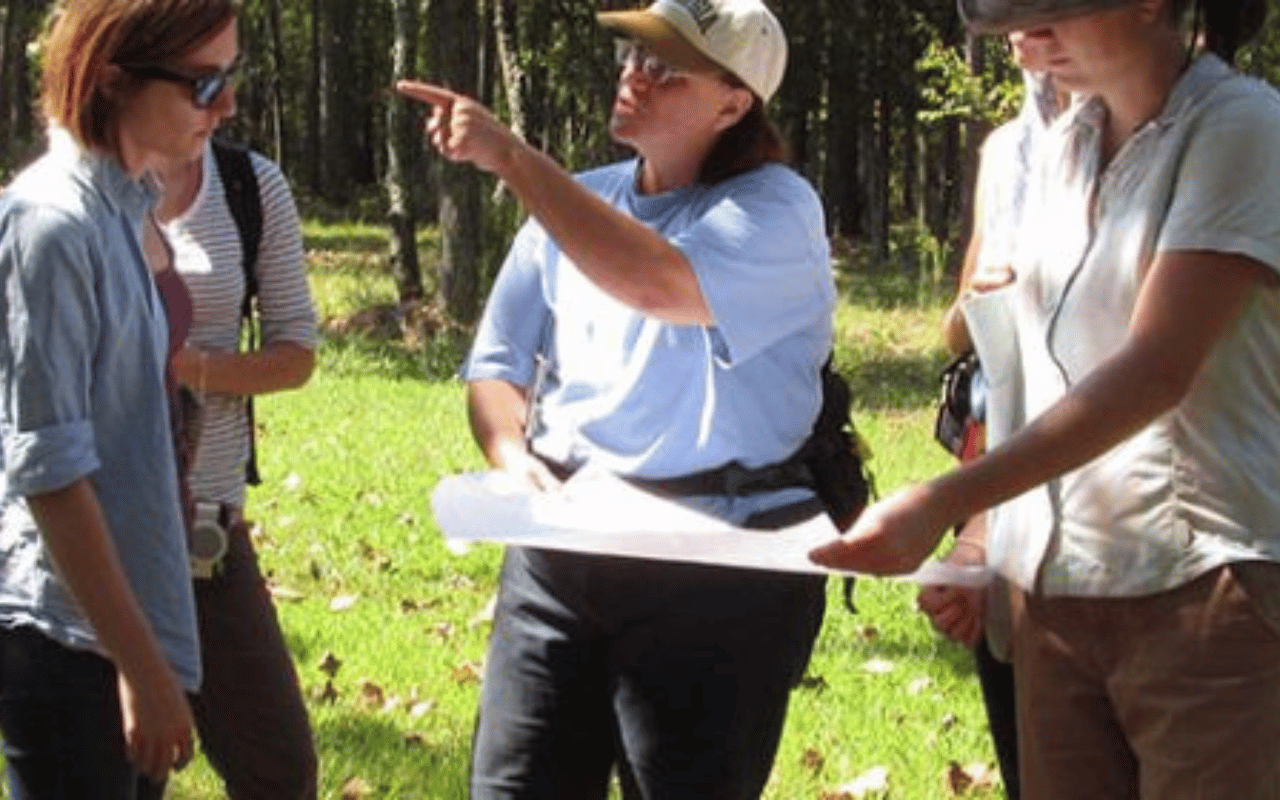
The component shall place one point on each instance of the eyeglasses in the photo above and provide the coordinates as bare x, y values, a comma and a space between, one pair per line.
654, 69
205, 88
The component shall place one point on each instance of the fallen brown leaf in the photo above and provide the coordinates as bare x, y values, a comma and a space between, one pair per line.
812, 759
355, 789
326, 694
371, 694
329, 664
813, 682
467, 672
972, 780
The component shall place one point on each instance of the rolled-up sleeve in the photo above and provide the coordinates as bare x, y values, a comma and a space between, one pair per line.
51, 327
287, 310
516, 317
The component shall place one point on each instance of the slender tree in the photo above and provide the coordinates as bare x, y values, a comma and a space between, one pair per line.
460, 219
401, 147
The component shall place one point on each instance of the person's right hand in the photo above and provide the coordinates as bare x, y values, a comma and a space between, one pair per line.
956, 612
525, 466
460, 128
157, 724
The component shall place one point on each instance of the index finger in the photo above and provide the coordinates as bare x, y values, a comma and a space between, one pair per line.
426, 92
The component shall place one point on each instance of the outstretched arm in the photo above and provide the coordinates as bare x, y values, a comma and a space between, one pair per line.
1188, 301
622, 256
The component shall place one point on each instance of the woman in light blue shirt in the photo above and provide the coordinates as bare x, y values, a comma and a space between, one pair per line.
680, 304
98, 646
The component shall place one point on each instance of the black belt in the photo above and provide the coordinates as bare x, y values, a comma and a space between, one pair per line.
730, 480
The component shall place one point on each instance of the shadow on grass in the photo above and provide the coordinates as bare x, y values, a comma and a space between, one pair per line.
391, 763
365, 240
352, 355
882, 291
896, 649
888, 383
370, 240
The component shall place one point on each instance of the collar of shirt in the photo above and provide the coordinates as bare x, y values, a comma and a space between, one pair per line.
134, 195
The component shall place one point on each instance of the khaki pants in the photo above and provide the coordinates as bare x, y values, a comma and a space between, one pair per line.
1167, 697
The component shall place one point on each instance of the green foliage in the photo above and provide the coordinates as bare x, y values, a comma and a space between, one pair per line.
951, 89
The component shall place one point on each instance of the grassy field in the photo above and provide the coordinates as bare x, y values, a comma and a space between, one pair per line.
388, 627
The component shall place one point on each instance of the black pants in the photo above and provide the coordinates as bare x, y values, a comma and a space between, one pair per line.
60, 714
249, 713
996, 679
677, 674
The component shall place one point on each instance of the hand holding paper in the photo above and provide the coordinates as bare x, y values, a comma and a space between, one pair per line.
892, 537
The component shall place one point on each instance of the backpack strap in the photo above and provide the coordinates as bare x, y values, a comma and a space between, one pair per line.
244, 201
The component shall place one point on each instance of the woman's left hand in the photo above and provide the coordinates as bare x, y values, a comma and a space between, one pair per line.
892, 537
188, 366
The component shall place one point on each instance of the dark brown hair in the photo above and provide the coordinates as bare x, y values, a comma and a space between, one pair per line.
84, 36
1226, 24
751, 142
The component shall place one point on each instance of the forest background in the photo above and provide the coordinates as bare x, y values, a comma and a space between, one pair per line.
884, 104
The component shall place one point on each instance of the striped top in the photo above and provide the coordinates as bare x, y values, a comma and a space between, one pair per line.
208, 255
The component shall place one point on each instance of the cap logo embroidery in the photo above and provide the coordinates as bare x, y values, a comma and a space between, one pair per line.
703, 12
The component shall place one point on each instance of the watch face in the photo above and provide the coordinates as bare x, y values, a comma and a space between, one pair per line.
208, 541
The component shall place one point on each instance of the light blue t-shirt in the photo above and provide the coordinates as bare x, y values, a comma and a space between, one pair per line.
82, 358
641, 397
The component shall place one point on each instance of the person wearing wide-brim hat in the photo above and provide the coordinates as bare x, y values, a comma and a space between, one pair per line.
1002, 16
681, 303
1132, 413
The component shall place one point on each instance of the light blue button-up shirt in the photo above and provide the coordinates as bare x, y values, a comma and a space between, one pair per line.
637, 396
82, 358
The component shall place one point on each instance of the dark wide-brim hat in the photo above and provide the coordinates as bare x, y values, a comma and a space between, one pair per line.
1003, 16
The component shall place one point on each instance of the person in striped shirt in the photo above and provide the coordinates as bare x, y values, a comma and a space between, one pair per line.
250, 714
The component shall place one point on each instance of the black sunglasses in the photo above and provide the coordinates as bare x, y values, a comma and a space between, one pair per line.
205, 88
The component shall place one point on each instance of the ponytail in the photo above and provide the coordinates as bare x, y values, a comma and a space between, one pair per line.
1228, 24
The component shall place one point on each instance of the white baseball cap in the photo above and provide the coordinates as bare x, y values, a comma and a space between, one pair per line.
741, 36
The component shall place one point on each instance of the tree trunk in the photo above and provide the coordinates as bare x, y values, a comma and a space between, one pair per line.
339, 122
17, 123
461, 228
277, 96
846, 117
401, 145
505, 19
312, 159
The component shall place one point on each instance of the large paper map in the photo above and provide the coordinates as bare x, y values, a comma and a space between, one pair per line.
595, 512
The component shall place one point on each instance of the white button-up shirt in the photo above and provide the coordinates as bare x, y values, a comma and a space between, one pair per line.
1200, 485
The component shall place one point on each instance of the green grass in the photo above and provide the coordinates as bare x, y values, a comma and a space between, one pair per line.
347, 537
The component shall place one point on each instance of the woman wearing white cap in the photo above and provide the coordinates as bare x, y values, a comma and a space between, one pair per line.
1135, 408
681, 302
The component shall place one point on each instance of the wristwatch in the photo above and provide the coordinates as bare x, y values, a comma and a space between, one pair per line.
206, 541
